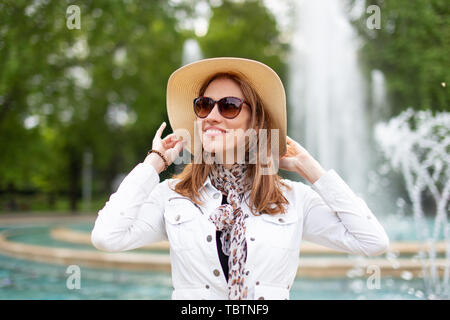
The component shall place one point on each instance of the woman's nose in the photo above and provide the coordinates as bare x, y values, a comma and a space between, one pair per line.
214, 114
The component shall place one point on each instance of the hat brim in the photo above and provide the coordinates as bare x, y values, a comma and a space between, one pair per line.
184, 85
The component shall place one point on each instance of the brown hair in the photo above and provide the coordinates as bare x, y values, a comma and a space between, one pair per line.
266, 195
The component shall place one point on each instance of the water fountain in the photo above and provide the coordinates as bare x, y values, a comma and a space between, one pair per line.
418, 145
327, 97
191, 51
327, 92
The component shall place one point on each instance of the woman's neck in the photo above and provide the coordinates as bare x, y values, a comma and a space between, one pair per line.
225, 162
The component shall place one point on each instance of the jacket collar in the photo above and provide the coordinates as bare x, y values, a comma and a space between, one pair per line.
207, 183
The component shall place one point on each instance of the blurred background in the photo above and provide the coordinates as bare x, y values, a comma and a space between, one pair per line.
82, 92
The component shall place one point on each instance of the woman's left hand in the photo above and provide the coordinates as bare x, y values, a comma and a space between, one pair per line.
298, 159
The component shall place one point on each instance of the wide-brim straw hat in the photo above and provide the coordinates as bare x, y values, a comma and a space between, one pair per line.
184, 85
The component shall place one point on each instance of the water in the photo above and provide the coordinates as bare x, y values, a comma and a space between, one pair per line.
398, 228
41, 236
327, 92
327, 96
21, 279
191, 51
417, 144
379, 97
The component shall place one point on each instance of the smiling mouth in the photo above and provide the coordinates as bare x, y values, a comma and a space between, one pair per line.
213, 132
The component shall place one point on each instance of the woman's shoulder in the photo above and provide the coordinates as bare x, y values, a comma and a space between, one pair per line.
293, 184
300, 195
168, 185
295, 189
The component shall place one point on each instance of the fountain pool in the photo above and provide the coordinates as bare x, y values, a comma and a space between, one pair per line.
25, 279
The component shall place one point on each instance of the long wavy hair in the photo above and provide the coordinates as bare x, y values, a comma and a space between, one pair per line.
266, 195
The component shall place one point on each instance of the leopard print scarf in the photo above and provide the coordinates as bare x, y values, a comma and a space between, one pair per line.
230, 219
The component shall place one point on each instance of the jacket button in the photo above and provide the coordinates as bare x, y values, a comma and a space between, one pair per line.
253, 239
177, 218
216, 272
257, 283
209, 238
281, 220
216, 196
261, 298
207, 286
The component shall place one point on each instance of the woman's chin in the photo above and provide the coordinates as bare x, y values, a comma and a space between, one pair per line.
212, 148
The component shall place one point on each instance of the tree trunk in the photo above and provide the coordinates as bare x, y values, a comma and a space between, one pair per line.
51, 200
74, 192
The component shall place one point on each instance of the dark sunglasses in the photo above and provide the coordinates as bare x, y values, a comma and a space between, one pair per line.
229, 107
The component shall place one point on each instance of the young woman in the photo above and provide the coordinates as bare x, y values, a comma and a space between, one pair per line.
234, 229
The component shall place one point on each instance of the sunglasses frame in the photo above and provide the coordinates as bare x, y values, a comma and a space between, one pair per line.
220, 110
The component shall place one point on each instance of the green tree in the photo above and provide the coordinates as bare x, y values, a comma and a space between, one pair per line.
412, 49
245, 29
100, 88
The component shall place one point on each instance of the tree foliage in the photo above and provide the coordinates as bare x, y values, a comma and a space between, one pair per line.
245, 29
412, 49
101, 88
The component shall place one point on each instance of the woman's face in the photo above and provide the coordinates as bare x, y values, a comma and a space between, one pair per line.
229, 137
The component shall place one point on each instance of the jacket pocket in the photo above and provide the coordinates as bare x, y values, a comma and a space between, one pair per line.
280, 230
270, 292
191, 294
180, 222
280, 219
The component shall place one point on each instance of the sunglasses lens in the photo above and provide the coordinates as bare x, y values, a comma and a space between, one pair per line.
203, 106
230, 107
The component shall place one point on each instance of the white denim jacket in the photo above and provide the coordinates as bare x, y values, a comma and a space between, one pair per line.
143, 211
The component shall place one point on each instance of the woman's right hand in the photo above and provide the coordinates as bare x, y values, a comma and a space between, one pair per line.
170, 147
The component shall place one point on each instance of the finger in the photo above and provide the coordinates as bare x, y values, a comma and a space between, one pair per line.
173, 141
179, 146
171, 144
160, 130
169, 137
166, 143
289, 140
293, 142
175, 151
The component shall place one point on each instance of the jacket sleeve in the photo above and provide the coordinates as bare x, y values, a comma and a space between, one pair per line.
336, 218
133, 216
